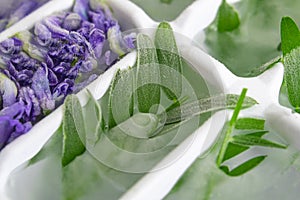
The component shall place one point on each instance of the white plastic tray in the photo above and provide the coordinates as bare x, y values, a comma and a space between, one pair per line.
264, 88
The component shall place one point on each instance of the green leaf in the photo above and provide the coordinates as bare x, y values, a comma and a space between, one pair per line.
250, 124
73, 128
148, 78
292, 77
232, 100
120, 97
243, 168
170, 61
92, 115
233, 150
227, 18
258, 133
251, 140
88, 178
290, 35
138, 134
230, 128
215, 103
53, 147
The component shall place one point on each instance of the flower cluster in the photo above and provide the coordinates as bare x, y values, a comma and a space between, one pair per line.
61, 55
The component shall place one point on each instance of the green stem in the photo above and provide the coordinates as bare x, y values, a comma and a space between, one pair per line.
231, 127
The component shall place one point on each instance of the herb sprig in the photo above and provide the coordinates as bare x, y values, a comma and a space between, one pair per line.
233, 145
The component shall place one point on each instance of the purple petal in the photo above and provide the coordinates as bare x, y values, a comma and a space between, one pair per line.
81, 7
52, 77
20, 129
14, 111
11, 46
98, 19
55, 28
72, 22
41, 88
97, 38
6, 127
44, 36
31, 103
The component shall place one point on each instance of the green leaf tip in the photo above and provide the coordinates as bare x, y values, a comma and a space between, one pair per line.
290, 35
227, 18
243, 168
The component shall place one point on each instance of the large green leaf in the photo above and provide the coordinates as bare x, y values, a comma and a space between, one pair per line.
73, 128
148, 75
292, 77
53, 147
170, 61
87, 178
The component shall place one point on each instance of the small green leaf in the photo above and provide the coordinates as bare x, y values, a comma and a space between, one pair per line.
170, 61
250, 140
258, 133
290, 35
148, 78
243, 168
232, 99
292, 76
215, 103
227, 18
73, 128
233, 150
250, 124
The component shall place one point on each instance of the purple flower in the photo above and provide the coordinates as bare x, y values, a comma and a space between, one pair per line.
61, 55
